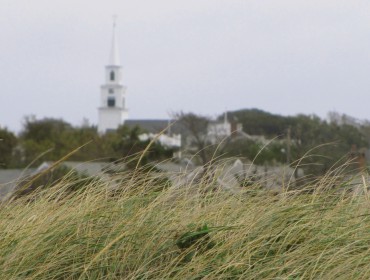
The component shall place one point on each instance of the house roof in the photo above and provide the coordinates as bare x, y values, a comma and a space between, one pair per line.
10, 178
89, 168
10, 175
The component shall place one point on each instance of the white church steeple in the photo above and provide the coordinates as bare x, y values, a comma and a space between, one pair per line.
114, 58
112, 110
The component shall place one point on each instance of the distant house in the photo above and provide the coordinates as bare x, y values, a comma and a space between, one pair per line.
171, 131
221, 129
176, 135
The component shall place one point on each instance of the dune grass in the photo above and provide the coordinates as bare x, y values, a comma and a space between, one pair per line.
132, 227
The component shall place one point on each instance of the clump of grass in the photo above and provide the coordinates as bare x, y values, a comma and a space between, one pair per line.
131, 227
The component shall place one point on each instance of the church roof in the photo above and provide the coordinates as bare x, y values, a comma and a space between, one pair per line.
156, 126
114, 58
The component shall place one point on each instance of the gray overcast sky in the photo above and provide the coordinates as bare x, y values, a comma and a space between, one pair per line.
205, 56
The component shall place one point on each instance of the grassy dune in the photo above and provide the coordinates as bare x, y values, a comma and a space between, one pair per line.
144, 231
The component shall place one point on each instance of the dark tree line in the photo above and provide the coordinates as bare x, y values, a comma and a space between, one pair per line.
330, 141
52, 139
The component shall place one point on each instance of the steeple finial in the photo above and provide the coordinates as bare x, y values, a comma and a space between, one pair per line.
114, 58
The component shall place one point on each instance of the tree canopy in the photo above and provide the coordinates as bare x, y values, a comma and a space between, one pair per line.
8, 142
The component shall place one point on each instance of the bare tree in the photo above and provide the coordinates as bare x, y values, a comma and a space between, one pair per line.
197, 128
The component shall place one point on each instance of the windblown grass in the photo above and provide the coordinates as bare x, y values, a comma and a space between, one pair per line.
139, 229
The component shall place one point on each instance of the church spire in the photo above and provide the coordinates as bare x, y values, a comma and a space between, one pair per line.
112, 110
114, 58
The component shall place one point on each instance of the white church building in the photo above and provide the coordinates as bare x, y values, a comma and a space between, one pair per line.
112, 110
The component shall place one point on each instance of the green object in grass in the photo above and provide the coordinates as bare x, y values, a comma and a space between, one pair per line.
190, 238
